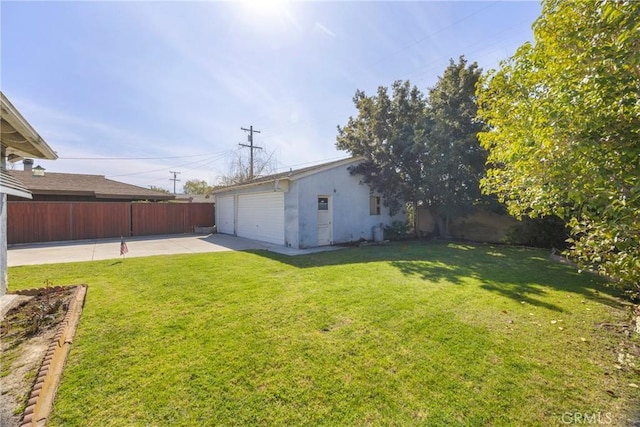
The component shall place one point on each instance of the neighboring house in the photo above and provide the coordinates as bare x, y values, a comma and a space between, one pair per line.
194, 198
58, 187
17, 141
315, 206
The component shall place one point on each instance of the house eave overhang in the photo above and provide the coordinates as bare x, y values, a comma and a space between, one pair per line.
249, 185
39, 192
133, 197
12, 186
329, 166
19, 137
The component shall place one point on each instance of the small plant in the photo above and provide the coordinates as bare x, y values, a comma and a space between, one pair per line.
396, 231
44, 312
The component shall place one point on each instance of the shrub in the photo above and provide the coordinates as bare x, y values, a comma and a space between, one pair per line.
546, 232
396, 231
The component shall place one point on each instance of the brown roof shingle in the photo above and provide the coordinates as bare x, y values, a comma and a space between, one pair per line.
71, 184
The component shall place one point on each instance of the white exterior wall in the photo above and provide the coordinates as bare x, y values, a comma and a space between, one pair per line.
350, 204
291, 216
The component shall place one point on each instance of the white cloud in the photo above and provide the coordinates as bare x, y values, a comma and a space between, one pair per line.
319, 27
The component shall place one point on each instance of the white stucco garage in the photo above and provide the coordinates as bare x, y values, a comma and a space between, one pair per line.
316, 206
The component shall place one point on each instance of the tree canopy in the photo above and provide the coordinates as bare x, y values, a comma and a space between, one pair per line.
264, 163
389, 133
564, 130
195, 186
159, 189
454, 161
420, 149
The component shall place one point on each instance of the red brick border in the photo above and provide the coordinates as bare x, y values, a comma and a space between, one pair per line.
47, 381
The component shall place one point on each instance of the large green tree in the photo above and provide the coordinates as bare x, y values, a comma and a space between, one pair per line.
564, 136
421, 149
196, 186
389, 132
453, 159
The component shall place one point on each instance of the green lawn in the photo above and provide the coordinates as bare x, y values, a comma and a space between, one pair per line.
405, 334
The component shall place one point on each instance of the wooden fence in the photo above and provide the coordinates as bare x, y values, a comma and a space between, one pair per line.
29, 222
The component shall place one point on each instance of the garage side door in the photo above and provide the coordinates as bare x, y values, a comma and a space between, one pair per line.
225, 213
261, 217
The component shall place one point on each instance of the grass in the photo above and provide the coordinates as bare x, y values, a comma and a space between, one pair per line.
406, 334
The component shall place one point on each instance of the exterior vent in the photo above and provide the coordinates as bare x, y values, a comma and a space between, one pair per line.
38, 171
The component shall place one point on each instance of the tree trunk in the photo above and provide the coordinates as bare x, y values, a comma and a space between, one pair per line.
440, 225
447, 225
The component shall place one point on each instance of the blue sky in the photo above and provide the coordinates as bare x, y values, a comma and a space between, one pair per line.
166, 86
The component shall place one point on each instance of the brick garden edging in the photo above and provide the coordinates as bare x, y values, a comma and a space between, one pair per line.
48, 378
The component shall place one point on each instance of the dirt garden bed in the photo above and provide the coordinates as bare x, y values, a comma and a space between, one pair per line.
30, 334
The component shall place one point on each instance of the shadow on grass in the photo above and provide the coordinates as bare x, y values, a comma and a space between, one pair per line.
520, 274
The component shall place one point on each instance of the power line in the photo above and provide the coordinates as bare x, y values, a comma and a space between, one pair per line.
208, 159
421, 74
383, 59
416, 41
131, 158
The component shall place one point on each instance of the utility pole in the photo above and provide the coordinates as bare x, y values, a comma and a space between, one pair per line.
251, 148
174, 179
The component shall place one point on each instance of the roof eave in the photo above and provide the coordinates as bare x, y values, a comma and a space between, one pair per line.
292, 176
41, 192
326, 167
249, 184
13, 186
133, 196
13, 117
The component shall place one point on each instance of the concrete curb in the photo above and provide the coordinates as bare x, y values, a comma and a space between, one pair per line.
48, 378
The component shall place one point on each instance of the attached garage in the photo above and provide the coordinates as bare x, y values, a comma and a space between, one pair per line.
261, 217
225, 210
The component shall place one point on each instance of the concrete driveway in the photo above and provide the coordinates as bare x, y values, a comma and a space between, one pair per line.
93, 250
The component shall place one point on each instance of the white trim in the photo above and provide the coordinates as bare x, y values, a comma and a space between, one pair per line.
12, 186
12, 116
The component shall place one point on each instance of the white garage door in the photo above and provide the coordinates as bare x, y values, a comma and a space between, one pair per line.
224, 209
261, 217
